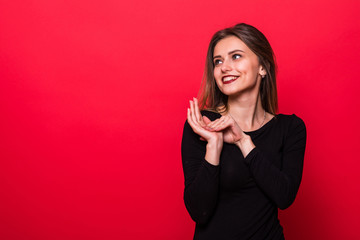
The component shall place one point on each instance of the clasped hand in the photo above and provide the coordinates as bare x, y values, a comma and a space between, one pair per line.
222, 129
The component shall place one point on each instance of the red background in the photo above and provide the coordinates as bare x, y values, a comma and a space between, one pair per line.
93, 99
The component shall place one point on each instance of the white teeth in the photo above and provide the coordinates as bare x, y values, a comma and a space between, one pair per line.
226, 79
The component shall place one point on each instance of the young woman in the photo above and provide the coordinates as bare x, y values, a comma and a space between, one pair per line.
241, 160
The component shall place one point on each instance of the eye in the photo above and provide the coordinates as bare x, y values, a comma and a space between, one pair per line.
236, 56
217, 62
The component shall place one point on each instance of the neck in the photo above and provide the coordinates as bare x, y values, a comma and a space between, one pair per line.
247, 111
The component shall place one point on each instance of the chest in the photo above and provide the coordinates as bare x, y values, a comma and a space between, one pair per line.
235, 174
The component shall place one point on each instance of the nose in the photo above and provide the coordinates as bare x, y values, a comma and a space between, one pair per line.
226, 66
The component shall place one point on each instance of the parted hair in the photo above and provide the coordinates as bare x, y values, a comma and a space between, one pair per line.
210, 96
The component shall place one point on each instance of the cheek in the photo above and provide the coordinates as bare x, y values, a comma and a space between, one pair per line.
217, 74
243, 67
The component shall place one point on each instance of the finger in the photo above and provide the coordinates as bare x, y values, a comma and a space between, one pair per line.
195, 123
227, 122
191, 122
222, 121
212, 123
206, 120
195, 127
197, 111
192, 114
219, 124
189, 118
222, 126
215, 123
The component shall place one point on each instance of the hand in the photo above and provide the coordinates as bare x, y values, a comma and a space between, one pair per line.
214, 139
231, 130
232, 133
198, 124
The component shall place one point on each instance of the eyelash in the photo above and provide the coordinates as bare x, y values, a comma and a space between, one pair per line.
216, 62
233, 56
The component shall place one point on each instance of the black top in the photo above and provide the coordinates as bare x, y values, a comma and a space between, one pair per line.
239, 199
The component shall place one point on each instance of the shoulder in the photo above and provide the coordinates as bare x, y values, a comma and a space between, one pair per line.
292, 124
210, 114
292, 119
289, 117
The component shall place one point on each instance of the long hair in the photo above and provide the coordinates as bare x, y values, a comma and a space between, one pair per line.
212, 98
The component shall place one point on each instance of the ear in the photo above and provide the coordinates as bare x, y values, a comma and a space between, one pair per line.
262, 71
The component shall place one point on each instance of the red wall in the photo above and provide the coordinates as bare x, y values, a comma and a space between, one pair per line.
93, 99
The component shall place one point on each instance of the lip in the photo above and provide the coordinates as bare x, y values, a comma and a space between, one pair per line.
230, 81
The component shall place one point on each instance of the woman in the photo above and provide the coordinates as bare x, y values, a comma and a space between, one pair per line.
241, 160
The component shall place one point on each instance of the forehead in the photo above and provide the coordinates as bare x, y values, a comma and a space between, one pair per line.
228, 44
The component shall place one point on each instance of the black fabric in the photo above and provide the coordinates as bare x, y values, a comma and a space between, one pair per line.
239, 199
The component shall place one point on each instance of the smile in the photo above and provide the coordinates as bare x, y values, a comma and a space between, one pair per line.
229, 79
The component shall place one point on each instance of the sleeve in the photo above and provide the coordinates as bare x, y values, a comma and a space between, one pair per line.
281, 185
201, 177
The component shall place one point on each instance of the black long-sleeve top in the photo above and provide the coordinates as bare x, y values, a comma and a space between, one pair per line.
239, 198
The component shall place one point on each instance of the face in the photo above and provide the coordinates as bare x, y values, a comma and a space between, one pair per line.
236, 67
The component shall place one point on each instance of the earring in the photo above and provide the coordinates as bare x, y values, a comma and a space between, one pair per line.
263, 76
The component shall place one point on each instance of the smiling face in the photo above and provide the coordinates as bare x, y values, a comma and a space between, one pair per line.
236, 68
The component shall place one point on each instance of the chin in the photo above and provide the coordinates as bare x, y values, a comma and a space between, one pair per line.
239, 90
230, 92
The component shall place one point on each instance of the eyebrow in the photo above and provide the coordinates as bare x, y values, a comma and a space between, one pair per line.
231, 52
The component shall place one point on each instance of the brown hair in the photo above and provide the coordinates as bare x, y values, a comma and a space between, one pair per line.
212, 98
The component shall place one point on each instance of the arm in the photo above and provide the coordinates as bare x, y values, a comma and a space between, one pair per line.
281, 185
201, 177
200, 163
